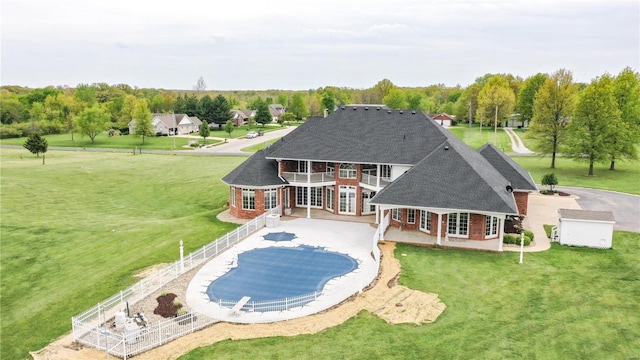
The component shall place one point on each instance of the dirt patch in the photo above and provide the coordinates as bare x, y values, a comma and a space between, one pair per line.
381, 299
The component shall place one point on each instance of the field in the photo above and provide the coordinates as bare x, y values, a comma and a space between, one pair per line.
75, 231
78, 229
150, 142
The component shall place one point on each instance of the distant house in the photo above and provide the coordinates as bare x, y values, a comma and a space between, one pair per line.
443, 119
241, 117
276, 111
171, 124
401, 167
515, 121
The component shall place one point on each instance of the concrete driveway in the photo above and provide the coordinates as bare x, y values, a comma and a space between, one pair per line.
233, 146
625, 207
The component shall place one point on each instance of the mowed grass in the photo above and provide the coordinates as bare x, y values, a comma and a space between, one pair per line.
74, 231
260, 146
565, 303
475, 138
569, 172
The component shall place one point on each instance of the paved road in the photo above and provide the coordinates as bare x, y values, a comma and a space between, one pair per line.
625, 207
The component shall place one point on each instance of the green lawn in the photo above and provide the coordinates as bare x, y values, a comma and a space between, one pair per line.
118, 142
574, 173
565, 303
475, 139
150, 142
75, 230
260, 146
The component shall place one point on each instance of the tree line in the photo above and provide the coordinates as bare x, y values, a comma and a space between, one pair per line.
596, 121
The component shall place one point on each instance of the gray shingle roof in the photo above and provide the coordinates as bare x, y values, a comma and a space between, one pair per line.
586, 215
364, 136
520, 179
256, 171
453, 176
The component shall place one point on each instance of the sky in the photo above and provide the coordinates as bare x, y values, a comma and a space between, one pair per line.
306, 44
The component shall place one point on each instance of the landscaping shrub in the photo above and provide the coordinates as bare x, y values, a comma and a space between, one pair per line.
527, 241
529, 233
509, 239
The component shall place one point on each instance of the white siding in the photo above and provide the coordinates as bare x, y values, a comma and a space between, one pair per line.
596, 234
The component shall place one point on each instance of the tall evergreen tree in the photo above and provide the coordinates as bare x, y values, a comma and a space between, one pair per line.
220, 110
263, 116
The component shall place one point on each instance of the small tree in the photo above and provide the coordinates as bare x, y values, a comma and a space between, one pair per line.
204, 130
228, 127
286, 118
550, 180
263, 116
36, 144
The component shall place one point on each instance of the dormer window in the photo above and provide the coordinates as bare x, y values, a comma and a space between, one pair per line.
348, 171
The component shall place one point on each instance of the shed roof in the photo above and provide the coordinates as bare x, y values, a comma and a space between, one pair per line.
574, 214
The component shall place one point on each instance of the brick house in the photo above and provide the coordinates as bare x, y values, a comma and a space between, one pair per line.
370, 161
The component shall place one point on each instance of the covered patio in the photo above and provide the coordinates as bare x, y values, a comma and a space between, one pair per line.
403, 236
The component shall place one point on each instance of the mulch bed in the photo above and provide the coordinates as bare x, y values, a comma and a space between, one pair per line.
165, 307
559, 193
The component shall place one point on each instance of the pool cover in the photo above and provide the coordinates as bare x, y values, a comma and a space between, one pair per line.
280, 236
276, 273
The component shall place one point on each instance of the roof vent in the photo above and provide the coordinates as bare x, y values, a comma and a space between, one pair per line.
355, 108
378, 108
366, 108
401, 112
446, 147
509, 188
413, 112
405, 137
388, 111
342, 108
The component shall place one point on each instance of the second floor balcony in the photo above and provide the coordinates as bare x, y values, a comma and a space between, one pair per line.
303, 177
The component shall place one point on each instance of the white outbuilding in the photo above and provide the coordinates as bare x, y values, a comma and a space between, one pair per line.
585, 228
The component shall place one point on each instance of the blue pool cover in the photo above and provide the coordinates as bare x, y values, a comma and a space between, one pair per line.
280, 236
276, 273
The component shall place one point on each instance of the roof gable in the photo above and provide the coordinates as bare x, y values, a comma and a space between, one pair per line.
519, 178
363, 134
453, 177
256, 171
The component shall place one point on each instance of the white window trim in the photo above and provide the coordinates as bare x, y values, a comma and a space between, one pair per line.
233, 196
270, 198
427, 221
348, 171
409, 212
396, 214
301, 196
249, 194
330, 202
457, 224
491, 226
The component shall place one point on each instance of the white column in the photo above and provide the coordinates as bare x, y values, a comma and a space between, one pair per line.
308, 189
378, 176
377, 214
381, 228
438, 237
500, 231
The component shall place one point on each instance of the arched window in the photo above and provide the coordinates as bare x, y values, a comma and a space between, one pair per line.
347, 171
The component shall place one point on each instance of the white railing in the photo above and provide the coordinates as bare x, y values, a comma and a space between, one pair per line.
90, 327
301, 177
372, 179
273, 305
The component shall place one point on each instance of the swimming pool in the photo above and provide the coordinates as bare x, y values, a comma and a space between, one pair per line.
275, 273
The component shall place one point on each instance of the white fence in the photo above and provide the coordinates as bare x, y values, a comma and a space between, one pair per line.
273, 305
90, 327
